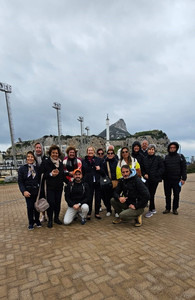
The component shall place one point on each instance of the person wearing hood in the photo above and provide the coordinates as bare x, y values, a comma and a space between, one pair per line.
174, 177
152, 171
130, 197
137, 153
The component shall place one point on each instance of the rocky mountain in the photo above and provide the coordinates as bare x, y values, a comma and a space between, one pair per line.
118, 130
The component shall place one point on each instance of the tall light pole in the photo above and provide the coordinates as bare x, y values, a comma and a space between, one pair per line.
81, 120
87, 129
4, 87
107, 132
57, 106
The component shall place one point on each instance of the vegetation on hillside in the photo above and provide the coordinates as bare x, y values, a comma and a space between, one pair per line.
157, 134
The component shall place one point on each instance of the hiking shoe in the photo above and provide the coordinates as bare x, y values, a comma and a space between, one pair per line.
154, 211
166, 211
117, 221
175, 212
30, 227
148, 214
108, 214
83, 221
38, 224
138, 222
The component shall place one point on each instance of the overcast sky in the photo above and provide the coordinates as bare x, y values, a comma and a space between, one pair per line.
131, 59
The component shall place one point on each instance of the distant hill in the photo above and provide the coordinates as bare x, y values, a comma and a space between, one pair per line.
118, 130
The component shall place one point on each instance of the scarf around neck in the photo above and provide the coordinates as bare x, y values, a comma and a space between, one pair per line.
56, 162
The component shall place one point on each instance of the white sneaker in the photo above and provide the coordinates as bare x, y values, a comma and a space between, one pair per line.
154, 211
116, 215
149, 214
108, 214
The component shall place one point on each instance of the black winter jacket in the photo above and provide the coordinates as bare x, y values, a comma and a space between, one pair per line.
153, 165
53, 183
26, 183
76, 193
175, 167
112, 163
90, 174
134, 189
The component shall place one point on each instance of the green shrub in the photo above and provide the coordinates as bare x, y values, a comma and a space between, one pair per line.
191, 168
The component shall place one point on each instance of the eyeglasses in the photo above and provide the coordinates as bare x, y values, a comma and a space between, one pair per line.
110, 153
125, 151
100, 153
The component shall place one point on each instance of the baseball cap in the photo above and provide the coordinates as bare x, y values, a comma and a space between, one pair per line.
77, 170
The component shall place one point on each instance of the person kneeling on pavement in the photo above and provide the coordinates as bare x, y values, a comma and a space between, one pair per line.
130, 197
76, 195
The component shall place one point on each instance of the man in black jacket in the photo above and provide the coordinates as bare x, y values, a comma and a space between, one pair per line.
76, 195
130, 197
175, 176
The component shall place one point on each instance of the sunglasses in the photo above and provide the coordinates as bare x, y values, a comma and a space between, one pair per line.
125, 151
110, 153
100, 153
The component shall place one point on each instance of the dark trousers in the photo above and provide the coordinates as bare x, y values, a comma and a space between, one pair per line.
94, 188
152, 186
169, 186
33, 214
106, 196
54, 200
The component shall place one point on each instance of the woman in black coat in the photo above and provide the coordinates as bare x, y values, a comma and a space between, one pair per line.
91, 175
54, 176
109, 167
152, 171
28, 181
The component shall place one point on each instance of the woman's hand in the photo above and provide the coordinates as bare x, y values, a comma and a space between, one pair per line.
26, 194
55, 172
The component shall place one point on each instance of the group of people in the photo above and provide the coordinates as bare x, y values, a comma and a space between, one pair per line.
132, 181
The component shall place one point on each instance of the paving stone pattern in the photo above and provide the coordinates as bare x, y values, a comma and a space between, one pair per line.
98, 260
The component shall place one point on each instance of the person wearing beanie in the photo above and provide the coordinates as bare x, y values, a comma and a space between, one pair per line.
152, 171
174, 177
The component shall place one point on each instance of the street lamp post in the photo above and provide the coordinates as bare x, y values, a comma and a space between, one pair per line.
4, 87
57, 106
87, 129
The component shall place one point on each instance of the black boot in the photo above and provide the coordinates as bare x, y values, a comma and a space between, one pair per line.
49, 225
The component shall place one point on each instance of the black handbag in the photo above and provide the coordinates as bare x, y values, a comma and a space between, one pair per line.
105, 183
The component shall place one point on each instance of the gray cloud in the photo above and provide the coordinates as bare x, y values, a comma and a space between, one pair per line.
132, 59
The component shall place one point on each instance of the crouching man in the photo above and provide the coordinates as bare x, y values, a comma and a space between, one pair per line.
76, 195
130, 197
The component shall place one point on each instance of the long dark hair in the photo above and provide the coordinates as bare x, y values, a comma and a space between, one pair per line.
129, 157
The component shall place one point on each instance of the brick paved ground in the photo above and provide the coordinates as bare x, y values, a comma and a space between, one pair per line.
98, 260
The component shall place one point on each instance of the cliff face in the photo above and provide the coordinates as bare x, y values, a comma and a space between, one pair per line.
117, 130
96, 141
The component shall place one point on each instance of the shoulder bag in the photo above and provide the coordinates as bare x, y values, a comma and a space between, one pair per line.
114, 182
41, 204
